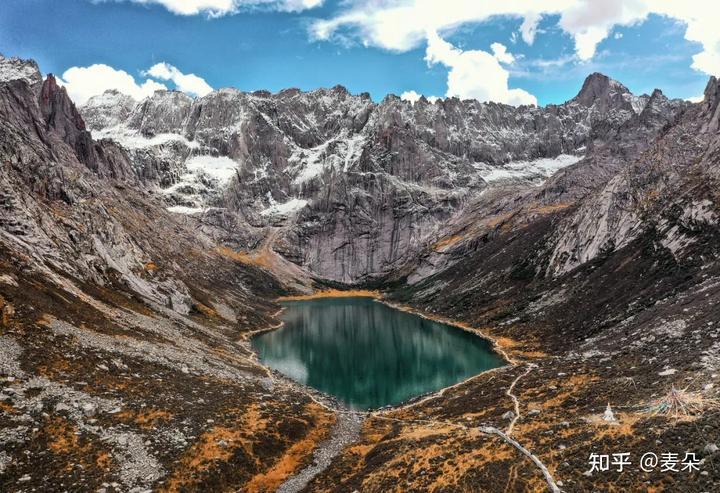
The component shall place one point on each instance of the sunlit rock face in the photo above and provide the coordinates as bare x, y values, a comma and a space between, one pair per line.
357, 186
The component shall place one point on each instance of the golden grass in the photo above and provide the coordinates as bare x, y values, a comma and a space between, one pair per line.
291, 460
5, 407
624, 426
206, 310
208, 450
103, 461
332, 293
446, 243
550, 208
146, 419
62, 437
417, 456
261, 258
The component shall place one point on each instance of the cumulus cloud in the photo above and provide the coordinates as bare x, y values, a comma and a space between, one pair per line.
476, 74
590, 21
217, 8
501, 53
401, 25
411, 96
414, 96
82, 83
189, 83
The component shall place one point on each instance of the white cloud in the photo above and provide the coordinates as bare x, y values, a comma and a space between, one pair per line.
411, 96
82, 83
189, 83
217, 8
528, 28
590, 21
401, 25
501, 53
414, 96
476, 74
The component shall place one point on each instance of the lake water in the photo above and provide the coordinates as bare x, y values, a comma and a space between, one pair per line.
367, 354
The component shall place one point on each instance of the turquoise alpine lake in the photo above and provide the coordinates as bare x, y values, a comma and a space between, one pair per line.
369, 355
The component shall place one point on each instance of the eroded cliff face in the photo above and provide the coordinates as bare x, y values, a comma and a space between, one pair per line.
356, 188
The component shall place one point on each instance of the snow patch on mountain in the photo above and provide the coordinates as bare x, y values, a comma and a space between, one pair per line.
220, 168
109, 109
131, 139
536, 171
17, 69
285, 208
201, 183
181, 209
340, 153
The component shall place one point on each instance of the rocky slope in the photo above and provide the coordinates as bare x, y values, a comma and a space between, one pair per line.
122, 347
142, 242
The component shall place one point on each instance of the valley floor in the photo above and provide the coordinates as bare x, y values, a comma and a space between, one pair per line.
149, 400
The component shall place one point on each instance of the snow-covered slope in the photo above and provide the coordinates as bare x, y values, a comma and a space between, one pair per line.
17, 69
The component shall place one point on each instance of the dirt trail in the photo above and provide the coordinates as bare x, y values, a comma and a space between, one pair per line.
516, 402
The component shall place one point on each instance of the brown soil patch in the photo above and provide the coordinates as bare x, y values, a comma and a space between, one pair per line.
550, 208
6, 312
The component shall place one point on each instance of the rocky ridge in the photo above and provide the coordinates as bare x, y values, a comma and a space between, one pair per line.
356, 185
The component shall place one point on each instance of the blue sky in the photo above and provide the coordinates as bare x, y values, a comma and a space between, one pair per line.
270, 47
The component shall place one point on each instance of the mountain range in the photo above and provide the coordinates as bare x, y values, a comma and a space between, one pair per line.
142, 242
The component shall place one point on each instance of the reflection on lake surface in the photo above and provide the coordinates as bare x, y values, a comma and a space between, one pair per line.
369, 355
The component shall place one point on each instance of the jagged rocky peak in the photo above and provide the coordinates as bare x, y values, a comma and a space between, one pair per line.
353, 178
163, 112
18, 69
605, 93
108, 109
597, 86
711, 104
58, 110
656, 103
712, 91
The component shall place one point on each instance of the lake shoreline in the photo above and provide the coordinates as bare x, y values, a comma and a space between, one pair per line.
332, 403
